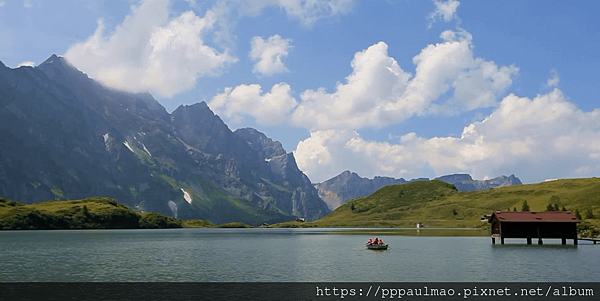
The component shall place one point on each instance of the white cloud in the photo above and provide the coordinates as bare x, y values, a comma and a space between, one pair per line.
443, 10
27, 4
307, 12
268, 54
543, 137
26, 63
150, 51
268, 108
380, 93
554, 80
324, 154
2, 2
376, 82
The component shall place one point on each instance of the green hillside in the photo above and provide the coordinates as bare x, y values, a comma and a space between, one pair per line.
90, 213
438, 204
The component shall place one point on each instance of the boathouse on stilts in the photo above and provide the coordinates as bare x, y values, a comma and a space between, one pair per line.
530, 225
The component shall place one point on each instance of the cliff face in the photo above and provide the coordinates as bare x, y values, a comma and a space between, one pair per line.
349, 185
284, 177
64, 136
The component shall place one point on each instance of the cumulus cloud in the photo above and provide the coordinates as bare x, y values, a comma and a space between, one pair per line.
443, 11
375, 82
268, 54
324, 154
268, 108
380, 93
151, 51
546, 136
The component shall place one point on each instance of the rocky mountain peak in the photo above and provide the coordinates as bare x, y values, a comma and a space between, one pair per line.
198, 126
514, 180
465, 182
54, 59
453, 178
258, 141
345, 176
200, 109
57, 66
506, 181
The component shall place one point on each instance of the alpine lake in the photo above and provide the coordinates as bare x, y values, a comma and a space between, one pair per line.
288, 255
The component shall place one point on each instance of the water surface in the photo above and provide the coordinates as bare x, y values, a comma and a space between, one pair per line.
285, 255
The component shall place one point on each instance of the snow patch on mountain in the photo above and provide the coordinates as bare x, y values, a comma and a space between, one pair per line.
186, 196
106, 137
128, 146
146, 150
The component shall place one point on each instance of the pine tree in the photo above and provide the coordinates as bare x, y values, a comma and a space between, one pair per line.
589, 214
525, 206
549, 207
577, 214
556, 208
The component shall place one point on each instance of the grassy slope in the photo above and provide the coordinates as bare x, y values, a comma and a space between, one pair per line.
433, 203
90, 213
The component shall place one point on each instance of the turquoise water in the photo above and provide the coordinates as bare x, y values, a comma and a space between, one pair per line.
306, 255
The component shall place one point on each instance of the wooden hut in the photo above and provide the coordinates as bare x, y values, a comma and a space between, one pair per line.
526, 224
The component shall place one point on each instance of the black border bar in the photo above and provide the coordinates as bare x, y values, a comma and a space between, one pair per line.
182, 291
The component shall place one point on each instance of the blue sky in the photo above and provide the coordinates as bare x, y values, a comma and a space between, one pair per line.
383, 88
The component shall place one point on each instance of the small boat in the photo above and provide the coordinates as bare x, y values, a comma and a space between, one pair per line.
376, 244
377, 247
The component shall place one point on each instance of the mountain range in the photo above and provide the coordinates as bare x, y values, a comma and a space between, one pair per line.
349, 185
65, 136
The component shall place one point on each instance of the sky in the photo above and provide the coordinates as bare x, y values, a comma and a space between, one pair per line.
398, 88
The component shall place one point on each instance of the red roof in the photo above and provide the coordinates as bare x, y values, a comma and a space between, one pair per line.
529, 216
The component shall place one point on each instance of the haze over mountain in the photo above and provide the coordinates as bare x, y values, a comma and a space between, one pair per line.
349, 185
65, 136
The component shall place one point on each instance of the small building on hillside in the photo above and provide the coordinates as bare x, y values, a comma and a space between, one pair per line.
527, 224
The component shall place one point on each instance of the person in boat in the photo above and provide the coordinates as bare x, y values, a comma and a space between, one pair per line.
375, 241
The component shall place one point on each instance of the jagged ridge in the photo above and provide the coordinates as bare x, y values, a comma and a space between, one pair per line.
349, 185
65, 136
